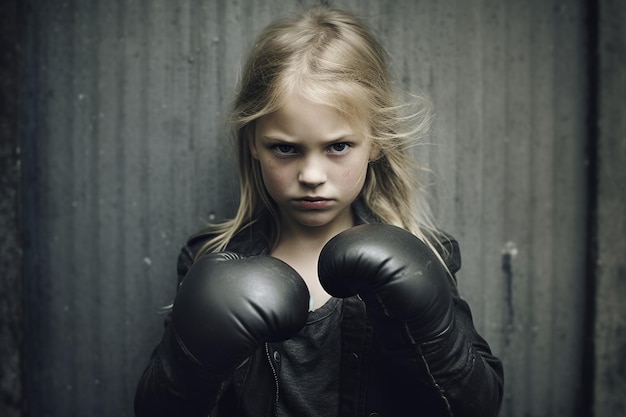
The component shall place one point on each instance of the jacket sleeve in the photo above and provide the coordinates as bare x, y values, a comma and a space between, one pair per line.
459, 364
172, 383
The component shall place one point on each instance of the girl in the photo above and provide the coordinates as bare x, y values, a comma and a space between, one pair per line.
329, 293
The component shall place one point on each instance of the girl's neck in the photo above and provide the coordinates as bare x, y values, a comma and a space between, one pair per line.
301, 251
310, 238
300, 247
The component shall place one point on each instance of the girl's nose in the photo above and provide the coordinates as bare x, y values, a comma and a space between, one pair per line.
312, 173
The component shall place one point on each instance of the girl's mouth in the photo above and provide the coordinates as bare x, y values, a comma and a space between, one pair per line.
312, 203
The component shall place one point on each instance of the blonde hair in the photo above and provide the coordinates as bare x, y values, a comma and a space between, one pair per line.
330, 57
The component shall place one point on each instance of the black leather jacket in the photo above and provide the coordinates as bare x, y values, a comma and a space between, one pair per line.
456, 375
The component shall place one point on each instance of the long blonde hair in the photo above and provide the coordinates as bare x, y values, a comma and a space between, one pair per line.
330, 57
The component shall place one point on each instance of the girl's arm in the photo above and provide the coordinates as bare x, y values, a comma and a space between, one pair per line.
173, 384
166, 385
419, 321
225, 308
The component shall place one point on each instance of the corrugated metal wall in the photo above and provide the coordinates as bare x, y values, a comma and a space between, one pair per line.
609, 265
11, 291
125, 153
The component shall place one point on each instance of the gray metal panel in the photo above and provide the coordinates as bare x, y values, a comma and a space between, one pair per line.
125, 153
610, 222
12, 387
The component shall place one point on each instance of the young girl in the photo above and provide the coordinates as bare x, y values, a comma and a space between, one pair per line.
329, 293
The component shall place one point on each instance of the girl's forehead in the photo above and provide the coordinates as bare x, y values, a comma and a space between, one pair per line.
316, 101
303, 119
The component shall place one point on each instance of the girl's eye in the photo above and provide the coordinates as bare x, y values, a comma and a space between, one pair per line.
284, 149
339, 148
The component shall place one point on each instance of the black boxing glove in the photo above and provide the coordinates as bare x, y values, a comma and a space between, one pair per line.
226, 308
403, 284
424, 331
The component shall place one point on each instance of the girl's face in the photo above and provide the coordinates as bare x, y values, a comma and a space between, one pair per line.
312, 162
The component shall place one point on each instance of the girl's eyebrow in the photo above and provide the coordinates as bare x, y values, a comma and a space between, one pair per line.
276, 139
348, 137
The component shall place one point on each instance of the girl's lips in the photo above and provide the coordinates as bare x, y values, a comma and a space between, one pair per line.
312, 203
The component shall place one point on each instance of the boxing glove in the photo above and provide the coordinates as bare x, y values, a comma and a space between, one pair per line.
398, 277
227, 306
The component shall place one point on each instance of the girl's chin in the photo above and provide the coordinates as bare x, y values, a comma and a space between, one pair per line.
320, 220
312, 223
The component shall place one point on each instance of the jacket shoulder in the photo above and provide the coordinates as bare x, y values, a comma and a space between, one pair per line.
249, 241
189, 251
448, 248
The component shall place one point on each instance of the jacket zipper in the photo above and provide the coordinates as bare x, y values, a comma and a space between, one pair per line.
269, 359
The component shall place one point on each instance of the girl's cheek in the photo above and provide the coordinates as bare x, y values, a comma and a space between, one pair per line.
352, 178
276, 178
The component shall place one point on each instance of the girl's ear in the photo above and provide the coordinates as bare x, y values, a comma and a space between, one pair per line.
252, 144
375, 152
